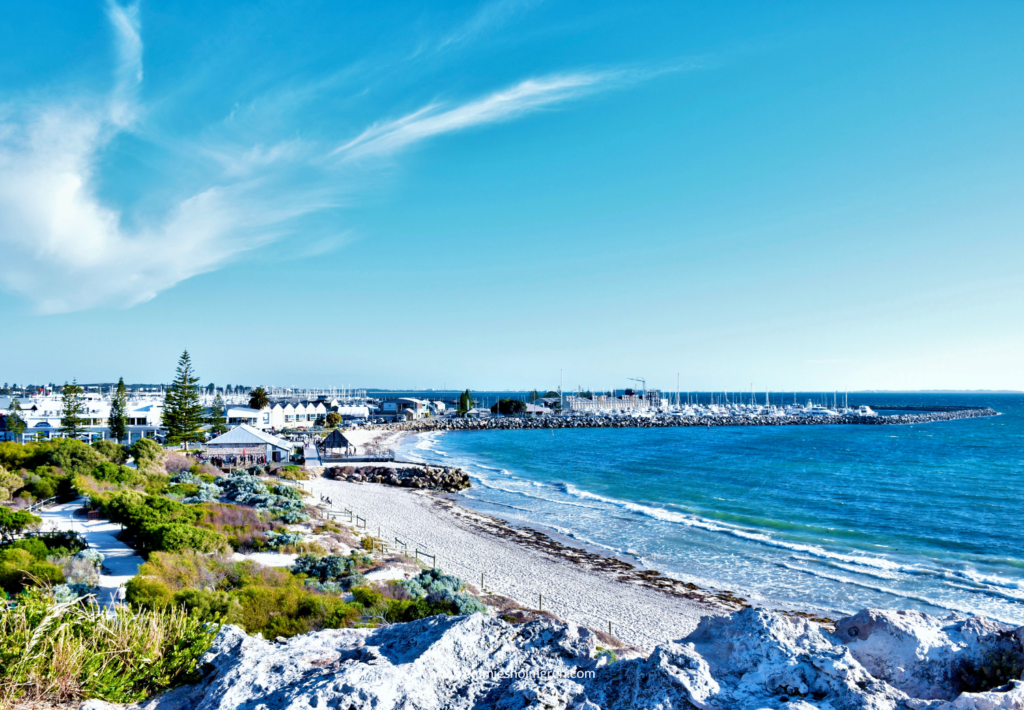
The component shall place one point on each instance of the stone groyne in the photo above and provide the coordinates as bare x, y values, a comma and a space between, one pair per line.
901, 415
435, 478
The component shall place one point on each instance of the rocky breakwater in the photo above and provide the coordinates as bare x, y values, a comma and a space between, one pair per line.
591, 421
435, 478
753, 659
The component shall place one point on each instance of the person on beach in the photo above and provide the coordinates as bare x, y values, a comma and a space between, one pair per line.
120, 594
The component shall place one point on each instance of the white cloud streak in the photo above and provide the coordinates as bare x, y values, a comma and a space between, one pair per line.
490, 15
64, 250
531, 95
125, 21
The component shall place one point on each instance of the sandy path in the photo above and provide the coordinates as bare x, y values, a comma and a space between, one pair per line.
639, 615
120, 562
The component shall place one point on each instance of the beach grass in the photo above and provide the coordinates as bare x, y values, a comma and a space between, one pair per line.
65, 652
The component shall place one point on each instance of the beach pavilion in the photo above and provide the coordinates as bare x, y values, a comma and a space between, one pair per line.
337, 445
246, 445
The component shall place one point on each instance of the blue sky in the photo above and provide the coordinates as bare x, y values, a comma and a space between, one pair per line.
479, 194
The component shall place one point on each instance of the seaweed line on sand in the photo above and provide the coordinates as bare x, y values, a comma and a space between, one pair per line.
619, 569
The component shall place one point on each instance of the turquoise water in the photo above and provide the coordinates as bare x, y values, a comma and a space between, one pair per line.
822, 518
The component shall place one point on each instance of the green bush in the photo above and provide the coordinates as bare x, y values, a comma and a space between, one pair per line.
260, 599
210, 605
68, 652
32, 545
177, 537
115, 473
19, 570
111, 451
148, 593
156, 523
13, 522
148, 455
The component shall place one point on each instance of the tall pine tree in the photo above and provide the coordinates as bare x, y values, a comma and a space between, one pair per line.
119, 412
184, 416
14, 420
465, 402
218, 424
71, 425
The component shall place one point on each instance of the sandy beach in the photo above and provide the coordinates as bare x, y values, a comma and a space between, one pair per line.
639, 615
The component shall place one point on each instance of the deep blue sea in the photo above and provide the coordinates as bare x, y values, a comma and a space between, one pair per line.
819, 518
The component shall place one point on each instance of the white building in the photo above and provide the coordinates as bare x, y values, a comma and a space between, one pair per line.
42, 417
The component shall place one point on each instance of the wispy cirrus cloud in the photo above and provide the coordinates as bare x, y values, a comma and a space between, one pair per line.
232, 189
65, 250
527, 96
490, 15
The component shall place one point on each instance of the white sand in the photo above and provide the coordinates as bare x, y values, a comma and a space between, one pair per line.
120, 562
639, 615
269, 559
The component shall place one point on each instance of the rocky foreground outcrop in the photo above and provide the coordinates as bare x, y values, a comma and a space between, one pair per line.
435, 478
753, 659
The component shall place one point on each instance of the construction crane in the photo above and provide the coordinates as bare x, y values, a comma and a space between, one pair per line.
641, 380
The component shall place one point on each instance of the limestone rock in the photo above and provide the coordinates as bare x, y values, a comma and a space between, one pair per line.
752, 660
930, 658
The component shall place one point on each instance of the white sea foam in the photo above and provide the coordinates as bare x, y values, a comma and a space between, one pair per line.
883, 589
989, 579
762, 538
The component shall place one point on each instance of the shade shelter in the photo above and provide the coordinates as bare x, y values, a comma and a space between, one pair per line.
337, 445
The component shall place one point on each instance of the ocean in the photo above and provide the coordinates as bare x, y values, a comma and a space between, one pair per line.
825, 519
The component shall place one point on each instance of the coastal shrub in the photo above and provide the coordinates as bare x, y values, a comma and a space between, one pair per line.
381, 606
184, 477
292, 472
116, 473
155, 523
14, 522
243, 527
19, 570
210, 605
9, 484
73, 456
330, 567
174, 537
64, 653
288, 492
32, 545
46, 482
64, 593
175, 462
437, 587
304, 548
111, 451
261, 599
182, 490
276, 540
205, 493
285, 501
148, 455
244, 488
81, 568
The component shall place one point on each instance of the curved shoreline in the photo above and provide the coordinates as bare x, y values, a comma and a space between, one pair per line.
914, 416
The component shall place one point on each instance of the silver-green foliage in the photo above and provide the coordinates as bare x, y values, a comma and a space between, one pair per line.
434, 585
